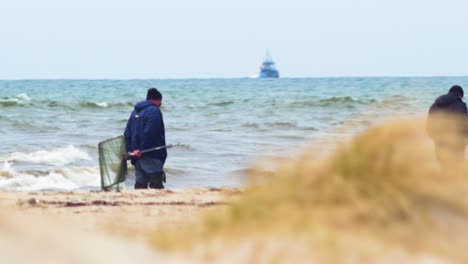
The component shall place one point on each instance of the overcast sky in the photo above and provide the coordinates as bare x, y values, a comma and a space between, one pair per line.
209, 38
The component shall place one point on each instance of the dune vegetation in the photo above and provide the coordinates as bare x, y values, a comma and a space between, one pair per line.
382, 197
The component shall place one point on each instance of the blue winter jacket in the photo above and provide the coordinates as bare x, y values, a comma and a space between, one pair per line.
145, 130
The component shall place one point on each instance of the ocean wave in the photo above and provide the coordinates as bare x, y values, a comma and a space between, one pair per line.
308, 128
84, 104
184, 146
15, 125
174, 172
94, 104
222, 103
8, 102
270, 125
23, 97
58, 156
395, 101
56, 104
22, 124
250, 125
56, 179
22, 100
19, 99
103, 104
291, 137
282, 124
345, 101
173, 128
6, 170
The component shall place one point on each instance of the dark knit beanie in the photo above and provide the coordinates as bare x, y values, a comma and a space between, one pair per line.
153, 94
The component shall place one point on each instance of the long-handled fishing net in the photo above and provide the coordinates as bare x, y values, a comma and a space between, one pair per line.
113, 158
112, 165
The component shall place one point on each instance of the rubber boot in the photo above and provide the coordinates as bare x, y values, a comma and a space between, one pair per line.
139, 186
156, 181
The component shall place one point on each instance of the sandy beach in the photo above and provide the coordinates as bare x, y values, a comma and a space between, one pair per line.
86, 209
79, 225
96, 226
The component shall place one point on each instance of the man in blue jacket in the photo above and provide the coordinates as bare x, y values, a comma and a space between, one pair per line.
145, 130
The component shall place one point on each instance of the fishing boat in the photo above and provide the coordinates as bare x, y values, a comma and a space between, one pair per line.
268, 69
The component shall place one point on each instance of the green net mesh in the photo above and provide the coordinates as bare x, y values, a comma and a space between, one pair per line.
112, 165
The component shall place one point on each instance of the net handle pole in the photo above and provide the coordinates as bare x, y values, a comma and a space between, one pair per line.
129, 156
156, 148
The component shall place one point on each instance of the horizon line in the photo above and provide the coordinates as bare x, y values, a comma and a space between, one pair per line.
232, 78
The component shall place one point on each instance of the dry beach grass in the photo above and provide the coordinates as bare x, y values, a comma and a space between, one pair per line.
381, 193
380, 198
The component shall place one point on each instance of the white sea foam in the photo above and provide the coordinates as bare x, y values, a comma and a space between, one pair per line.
102, 104
23, 97
6, 170
58, 156
58, 179
17, 99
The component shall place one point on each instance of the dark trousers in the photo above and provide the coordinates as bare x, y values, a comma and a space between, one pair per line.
149, 172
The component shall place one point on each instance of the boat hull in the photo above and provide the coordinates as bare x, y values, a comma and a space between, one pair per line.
269, 74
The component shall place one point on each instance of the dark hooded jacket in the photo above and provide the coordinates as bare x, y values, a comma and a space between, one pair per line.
145, 130
450, 108
449, 104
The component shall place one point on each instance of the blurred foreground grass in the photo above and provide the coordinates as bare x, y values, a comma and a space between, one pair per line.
379, 198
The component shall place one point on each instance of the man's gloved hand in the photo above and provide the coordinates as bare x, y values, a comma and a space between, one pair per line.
135, 154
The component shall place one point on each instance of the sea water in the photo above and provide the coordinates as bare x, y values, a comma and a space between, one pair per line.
50, 128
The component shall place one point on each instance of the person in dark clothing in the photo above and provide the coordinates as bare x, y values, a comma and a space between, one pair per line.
447, 124
145, 130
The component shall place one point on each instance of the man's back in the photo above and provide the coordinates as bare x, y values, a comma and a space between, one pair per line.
448, 104
145, 129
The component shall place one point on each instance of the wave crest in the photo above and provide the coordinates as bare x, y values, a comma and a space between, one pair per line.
55, 179
223, 103
58, 156
16, 100
91, 104
344, 101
